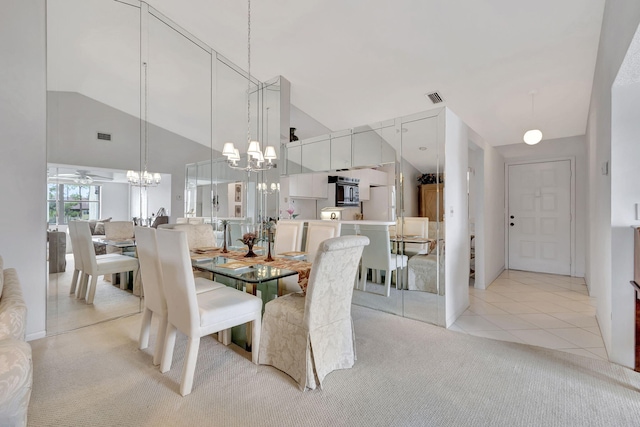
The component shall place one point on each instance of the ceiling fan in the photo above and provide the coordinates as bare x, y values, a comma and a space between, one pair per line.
81, 177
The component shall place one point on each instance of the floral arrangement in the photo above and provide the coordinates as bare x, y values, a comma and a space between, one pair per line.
249, 239
430, 178
291, 213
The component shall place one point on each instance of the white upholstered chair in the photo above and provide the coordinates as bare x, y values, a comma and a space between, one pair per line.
308, 337
378, 256
198, 315
155, 302
78, 270
118, 230
288, 236
414, 226
318, 232
94, 266
198, 235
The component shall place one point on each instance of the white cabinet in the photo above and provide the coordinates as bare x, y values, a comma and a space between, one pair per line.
308, 186
368, 178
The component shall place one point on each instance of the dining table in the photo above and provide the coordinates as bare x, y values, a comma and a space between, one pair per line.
401, 240
252, 272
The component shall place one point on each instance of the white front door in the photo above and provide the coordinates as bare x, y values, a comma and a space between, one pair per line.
539, 217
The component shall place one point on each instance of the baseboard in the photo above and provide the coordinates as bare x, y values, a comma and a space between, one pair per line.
36, 335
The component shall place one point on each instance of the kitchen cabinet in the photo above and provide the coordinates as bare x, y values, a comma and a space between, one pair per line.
430, 197
314, 156
340, 152
307, 185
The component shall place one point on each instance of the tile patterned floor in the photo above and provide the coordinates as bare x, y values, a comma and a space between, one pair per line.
539, 309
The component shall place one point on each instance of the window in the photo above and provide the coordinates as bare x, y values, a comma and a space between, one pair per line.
72, 201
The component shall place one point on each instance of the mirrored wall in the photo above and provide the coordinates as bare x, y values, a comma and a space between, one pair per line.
400, 167
129, 92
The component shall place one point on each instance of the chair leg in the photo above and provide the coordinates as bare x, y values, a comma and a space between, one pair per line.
224, 336
143, 340
81, 291
74, 281
169, 344
189, 367
387, 282
162, 331
255, 337
92, 289
363, 278
124, 280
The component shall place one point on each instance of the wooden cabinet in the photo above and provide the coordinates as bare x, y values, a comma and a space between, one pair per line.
431, 196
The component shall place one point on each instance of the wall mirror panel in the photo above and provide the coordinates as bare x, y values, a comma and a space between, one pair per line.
93, 138
393, 160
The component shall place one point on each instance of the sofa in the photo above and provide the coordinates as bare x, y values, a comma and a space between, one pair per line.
16, 366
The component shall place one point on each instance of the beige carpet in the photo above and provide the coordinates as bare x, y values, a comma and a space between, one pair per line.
408, 373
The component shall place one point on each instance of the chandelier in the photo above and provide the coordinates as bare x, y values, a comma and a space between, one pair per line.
144, 178
256, 160
266, 189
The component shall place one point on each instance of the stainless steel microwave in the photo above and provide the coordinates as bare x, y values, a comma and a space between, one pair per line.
347, 190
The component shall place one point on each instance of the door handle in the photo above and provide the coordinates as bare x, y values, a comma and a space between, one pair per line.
511, 224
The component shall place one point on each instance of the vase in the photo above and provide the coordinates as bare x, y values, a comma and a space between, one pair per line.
250, 254
224, 239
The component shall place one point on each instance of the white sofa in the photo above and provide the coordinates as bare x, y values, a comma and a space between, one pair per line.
16, 366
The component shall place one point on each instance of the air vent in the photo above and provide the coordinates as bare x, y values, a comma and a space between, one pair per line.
104, 136
435, 97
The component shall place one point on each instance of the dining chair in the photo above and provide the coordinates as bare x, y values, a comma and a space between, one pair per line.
288, 236
198, 235
414, 226
309, 337
78, 270
198, 315
94, 266
317, 232
155, 302
378, 256
118, 230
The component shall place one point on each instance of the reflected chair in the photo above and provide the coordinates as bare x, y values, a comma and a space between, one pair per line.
414, 226
78, 270
378, 256
198, 315
309, 337
94, 266
155, 302
198, 235
117, 230
318, 232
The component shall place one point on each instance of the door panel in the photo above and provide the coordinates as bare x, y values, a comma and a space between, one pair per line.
540, 217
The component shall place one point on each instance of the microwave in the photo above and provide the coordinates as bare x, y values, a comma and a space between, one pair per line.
347, 190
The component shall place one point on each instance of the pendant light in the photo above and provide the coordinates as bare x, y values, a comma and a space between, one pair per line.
533, 136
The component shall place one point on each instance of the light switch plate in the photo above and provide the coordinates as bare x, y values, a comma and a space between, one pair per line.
605, 168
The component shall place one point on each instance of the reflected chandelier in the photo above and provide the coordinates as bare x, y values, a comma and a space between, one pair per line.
144, 178
256, 160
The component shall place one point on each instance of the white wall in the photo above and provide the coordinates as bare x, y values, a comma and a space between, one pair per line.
620, 21
115, 201
23, 120
490, 244
574, 147
456, 149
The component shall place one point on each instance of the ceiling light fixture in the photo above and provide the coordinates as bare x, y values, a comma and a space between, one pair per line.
533, 136
255, 158
144, 178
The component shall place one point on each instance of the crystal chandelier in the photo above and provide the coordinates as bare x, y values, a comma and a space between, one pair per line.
266, 189
256, 160
144, 178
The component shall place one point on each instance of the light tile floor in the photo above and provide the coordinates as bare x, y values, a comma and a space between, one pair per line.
545, 310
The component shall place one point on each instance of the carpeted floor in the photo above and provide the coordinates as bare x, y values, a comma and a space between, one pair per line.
408, 373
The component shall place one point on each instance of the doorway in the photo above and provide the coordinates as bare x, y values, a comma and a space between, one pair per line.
539, 217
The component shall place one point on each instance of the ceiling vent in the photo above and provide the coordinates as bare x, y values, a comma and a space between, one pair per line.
104, 136
435, 97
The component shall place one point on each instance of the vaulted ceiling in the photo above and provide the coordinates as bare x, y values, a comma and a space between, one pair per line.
357, 62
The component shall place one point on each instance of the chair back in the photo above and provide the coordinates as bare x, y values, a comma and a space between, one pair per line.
85, 247
198, 235
318, 232
377, 253
414, 226
331, 280
150, 270
177, 280
75, 246
118, 230
288, 237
